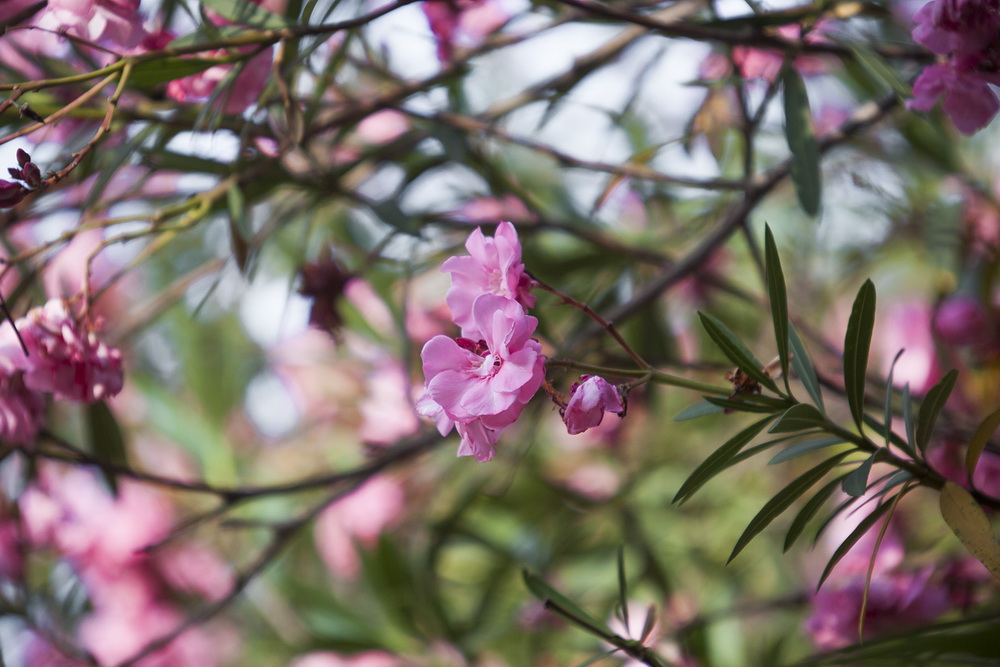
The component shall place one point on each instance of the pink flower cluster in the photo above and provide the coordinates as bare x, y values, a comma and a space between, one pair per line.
64, 358
130, 591
968, 33
479, 383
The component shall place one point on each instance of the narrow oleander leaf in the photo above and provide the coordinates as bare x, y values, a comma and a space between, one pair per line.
801, 417
719, 460
736, 404
246, 13
164, 70
599, 657
698, 410
931, 408
979, 441
803, 448
887, 431
853, 538
104, 436
552, 597
908, 422
971, 525
857, 345
778, 296
622, 585
803, 367
809, 510
240, 230
806, 175
893, 438
783, 500
735, 350
856, 483
649, 623
878, 68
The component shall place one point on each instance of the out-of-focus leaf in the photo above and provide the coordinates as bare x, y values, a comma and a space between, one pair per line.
649, 623
803, 367
877, 68
778, 297
105, 438
856, 347
698, 410
908, 422
719, 460
388, 575
853, 538
887, 415
549, 595
735, 350
971, 525
931, 407
158, 72
783, 500
799, 417
806, 174
805, 447
856, 483
809, 510
171, 161
246, 13
239, 224
979, 441
390, 213
198, 37
737, 405
622, 585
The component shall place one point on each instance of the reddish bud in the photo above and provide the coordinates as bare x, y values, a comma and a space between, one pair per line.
11, 194
22, 157
960, 320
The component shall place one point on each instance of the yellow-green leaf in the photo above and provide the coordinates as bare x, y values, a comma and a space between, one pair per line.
971, 526
979, 440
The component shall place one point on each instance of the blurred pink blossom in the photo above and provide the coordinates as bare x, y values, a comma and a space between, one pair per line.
382, 127
116, 24
386, 411
960, 319
462, 23
67, 358
968, 98
589, 399
362, 515
237, 94
907, 326
194, 569
948, 458
331, 659
22, 411
493, 266
11, 561
484, 210
896, 601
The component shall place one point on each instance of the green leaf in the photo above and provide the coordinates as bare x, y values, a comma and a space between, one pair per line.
856, 483
801, 141
853, 538
908, 417
878, 68
698, 410
888, 400
104, 436
622, 585
931, 407
783, 500
979, 441
856, 348
738, 405
553, 598
778, 297
971, 525
803, 367
719, 460
893, 438
799, 417
805, 447
809, 510
240, 231
735, 350
154, 73
224, 32
246, 13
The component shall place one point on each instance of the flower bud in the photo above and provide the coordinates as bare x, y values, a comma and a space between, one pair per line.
11, 194
22, 157
588, 401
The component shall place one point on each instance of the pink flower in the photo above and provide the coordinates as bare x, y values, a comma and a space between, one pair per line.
960, 320
113, 23
66, 359
957, 26
22, 411
362, 515
895, 601
477, 439
493, 379
462, 23
968, 99
11, 560
589, 399
331, 659
493, 266
240, 92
